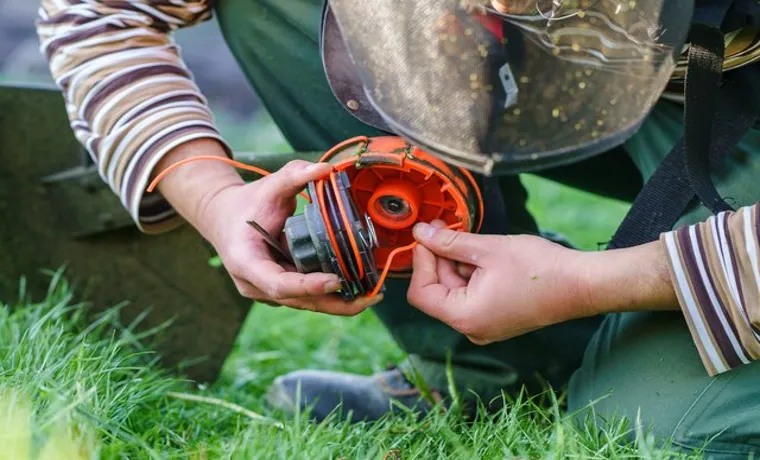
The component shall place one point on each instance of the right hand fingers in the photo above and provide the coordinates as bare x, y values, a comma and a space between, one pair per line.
275, 282
459, 246
266, 278
447, 270
332, 305
329, 304
289, 180
250, 262
427, 292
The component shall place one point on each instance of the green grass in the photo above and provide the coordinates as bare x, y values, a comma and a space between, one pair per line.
83, 391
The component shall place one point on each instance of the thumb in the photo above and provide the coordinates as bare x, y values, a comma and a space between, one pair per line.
455, 245
426, 292
294, 176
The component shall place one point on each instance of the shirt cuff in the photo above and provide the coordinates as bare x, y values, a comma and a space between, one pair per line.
714, 268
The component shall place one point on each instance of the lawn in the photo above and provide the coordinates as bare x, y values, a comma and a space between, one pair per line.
71, 390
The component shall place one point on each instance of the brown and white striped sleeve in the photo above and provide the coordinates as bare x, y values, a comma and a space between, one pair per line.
129, 96
715, 270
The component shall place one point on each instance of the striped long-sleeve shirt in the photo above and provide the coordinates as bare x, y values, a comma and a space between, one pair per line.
129, 96
131, 99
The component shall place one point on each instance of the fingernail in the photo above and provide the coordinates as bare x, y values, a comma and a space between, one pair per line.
313, 167
424, 231
332, 286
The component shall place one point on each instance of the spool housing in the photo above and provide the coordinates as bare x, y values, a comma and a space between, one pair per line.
386, 186
398, 185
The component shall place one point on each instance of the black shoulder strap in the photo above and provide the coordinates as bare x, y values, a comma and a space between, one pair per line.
718, 114
703, 80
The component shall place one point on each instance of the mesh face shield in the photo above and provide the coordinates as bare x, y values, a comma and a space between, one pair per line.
548, 83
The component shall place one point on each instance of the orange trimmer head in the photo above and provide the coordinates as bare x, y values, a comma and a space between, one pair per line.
361, 217
358, 220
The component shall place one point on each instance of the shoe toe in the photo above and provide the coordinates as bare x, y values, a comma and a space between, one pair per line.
345, 395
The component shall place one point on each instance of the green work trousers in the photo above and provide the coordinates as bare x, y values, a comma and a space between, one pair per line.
643, 363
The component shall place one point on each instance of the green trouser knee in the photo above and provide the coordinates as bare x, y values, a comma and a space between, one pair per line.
647, 363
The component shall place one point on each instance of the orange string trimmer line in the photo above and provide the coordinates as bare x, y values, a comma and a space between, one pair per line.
393, 254
238, 164
320, 187
344, 144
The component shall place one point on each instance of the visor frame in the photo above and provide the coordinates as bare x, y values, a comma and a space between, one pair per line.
342, 75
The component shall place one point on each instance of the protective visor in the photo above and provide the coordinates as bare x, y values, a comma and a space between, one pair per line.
548, 83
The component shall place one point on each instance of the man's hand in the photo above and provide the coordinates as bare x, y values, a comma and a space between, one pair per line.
215, 200
492, 288
508, 286
247, 257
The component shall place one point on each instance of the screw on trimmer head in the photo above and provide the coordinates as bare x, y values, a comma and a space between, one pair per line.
331, 236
